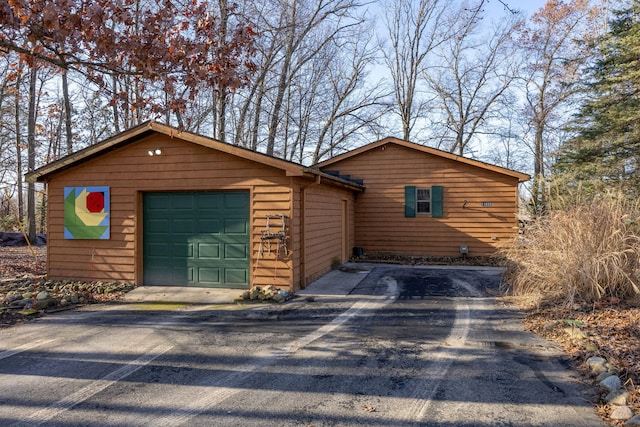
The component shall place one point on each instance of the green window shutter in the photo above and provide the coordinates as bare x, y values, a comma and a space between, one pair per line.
410, 201
436, 201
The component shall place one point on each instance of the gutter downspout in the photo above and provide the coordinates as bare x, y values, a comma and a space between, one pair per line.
303, 268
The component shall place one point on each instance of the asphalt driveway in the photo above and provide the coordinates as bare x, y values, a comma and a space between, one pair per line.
397, 346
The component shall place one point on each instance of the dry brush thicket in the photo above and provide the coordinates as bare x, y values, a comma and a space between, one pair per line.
581, 253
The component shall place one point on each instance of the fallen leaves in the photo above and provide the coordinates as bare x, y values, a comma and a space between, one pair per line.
18, 262
611, 331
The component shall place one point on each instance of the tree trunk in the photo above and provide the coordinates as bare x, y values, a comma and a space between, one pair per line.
222, 111
67, 111
19, 147
221, 99
537, 188
31, 154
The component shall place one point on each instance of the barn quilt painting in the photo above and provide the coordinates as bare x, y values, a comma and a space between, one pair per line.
86, 213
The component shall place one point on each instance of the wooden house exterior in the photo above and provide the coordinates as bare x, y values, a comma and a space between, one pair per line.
426, 202
174, 208
157, 206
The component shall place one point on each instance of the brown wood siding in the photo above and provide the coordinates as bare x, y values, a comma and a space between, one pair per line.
182, 166
295, 239
380, 222
323, 223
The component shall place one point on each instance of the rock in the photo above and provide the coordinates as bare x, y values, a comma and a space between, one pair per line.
13, 297
64, 302
44, 303
246, 295
285, 294
42, 295
603, 375
74, 299
27, 295
596, 364
634, 421
611, 383
617, 398
621, 413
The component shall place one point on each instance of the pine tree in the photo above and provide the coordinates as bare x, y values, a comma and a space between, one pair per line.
605, 153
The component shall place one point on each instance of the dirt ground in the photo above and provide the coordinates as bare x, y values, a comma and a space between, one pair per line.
609, 330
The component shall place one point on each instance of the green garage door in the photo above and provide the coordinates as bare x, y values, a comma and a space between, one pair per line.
196, 239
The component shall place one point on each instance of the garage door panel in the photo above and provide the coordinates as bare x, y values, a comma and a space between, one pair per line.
183, 226
236, 276
160, 201
158, 250
235, 226
178, 251
209, 275
182, 201
156, 226
235, 200
158, 273
196, 239
181, 274
208, 226
235, 251
209, 251
214, 201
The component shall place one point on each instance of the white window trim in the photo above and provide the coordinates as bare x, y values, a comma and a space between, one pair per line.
418, 201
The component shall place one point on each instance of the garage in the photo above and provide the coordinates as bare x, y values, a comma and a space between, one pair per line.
156, 205
196, 239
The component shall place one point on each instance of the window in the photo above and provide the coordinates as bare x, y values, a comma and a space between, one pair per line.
423, 200
427, 200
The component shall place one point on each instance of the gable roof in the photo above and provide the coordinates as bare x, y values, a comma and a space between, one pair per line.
134, 134
522, 177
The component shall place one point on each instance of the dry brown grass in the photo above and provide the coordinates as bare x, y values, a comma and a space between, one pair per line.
580, 253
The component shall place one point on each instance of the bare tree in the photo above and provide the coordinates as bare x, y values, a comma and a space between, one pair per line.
555, 43
312, 60
472, 72
308, 26
415, 28
350, 103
